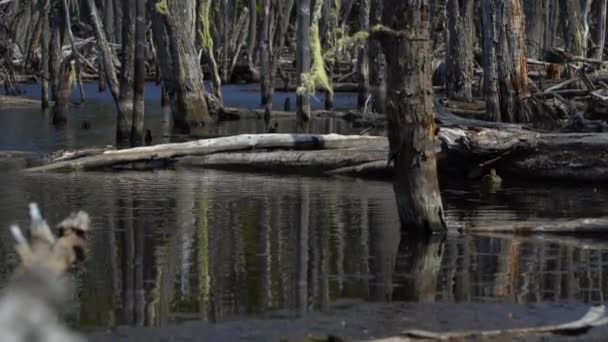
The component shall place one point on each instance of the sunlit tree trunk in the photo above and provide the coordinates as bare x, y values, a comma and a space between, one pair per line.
459, 53
303, 56
411, 114
189, 105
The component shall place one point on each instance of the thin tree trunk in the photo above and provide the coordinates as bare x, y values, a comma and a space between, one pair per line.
411, 117
137, 129
206, 43
506, 83
378, 62
46, 40
55, 56
599, 31
163, 57
266, 52
253, 15
108, 19
459, 53
303, 56
363, 59
68, 27
125, 96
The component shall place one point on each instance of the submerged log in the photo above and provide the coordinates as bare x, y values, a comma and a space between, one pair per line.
578, 226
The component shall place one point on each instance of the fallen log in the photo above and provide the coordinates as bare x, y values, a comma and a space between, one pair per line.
242, 142
578, 226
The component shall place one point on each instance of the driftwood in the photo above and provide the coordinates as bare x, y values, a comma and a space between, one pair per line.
596, 316
579, 226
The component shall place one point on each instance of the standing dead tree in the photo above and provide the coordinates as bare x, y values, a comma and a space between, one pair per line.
459, 52
405, 37
505, 83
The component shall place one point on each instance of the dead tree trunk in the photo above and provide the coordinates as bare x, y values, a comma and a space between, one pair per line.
506, 82
407, 45
303, 56
163, 57
551, 23
55, 57
570, 14
189, 105
64, 90
599, 31
363, 59
137, 129
206, 43
253, 17
266, 51
378, 62
459, 52
536, 12
46, 40
126, 94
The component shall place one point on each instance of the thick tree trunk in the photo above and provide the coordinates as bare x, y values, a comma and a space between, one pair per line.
570, 15
411, 117
506, 82
536, 12
125, 96
459, 53
64, 90
189, 105
599, 31
303, 56
137, 129
551, 24
363, 59
378, 62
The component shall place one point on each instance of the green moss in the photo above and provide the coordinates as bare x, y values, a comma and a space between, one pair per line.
162, 7
204, 32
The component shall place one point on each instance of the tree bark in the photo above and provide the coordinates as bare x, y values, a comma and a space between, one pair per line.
266, 51
506, 83
363, 59
599, 32
459, 52
253, 16
570, 14
378, 62
535, 11
207, 46
126, 94
303, 56
411, 117
137, 129
163, 57
46, 40
189, 105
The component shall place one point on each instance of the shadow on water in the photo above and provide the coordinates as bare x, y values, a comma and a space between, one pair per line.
172, 246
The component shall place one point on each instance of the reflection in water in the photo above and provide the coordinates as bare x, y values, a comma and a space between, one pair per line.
171, 246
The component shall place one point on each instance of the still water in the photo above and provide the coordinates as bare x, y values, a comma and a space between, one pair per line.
179, 246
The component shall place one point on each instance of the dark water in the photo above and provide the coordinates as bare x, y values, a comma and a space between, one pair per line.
268, 254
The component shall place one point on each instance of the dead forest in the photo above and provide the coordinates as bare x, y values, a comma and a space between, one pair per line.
457, 86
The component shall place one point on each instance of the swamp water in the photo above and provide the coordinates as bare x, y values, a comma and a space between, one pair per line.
213, 255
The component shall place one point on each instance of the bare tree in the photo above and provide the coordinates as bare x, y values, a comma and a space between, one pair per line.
459, 53
405, 38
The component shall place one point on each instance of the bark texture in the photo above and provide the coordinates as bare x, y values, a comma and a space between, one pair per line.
137, 128
303, 56
459, 53
406, 41
378, 62
569, 15
535, 11
363, 60
189, 105
504, 61
599, 31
